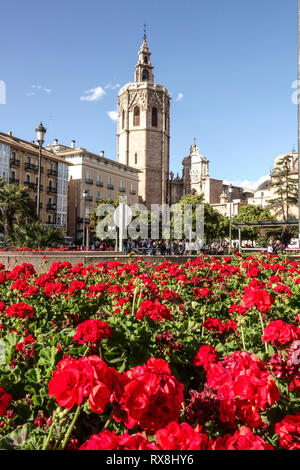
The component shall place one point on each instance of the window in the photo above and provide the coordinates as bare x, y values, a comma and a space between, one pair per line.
109, 196
98, 194
27, 178
135, 159
123, 119
145, 76
136, 116
145, 59
154, 117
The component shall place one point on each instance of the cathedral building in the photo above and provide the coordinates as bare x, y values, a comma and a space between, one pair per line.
144, 130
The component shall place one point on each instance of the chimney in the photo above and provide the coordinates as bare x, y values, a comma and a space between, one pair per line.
73, 144
55, 142
102, 153
10, 133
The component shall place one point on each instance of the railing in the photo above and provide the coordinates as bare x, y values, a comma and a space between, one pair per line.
89, 181
14, 181
30, 185
52, 172
122, 190
31, 166
51, 207
100, 184
50, 189
110, 186
14, 162
132, 191
88, 198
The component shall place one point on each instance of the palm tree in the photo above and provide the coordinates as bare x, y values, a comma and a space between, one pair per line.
37, 235
16, 207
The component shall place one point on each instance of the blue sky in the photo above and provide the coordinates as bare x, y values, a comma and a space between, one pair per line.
231, 62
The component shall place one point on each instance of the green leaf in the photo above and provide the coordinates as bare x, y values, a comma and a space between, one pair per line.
34, 375
47, 356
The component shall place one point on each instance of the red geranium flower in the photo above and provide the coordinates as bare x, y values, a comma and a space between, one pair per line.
20, 310
92, 331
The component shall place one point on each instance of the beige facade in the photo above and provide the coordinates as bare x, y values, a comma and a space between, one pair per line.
99, 178
265, 193
144, 130
196, 179
19, 165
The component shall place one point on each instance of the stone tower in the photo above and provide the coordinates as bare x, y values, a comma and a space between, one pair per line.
144, 130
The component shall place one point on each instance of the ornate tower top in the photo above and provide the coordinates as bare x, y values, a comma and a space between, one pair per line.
144, 68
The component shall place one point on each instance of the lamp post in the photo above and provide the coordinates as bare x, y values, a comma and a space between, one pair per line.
230, 216
84, 195
170, 203
298, 97
40, 137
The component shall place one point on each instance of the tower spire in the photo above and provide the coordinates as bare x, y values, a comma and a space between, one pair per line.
144, 68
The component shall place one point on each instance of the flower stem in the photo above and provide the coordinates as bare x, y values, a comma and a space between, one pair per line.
243, 338
134, 299
68, 433
49, 436
262, 329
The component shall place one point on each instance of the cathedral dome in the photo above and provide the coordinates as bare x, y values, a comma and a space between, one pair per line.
264, 186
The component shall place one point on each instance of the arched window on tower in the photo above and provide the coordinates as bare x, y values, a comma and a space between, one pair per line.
145, 59
123, 119
154, 117
145, 76
136, 116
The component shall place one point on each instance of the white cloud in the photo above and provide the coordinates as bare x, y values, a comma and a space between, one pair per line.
30, 94
113, 87
47, 90
95, 94
113, 115
248, 184
179, 97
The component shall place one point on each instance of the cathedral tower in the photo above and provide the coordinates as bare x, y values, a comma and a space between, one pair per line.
144, 130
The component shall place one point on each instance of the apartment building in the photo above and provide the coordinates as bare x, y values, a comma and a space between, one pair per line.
19, 165
93, 177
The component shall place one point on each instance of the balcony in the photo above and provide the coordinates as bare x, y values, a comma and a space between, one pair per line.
14, 162
89, 198
52, 172
31, 166
51, 207
89, 181
132, 191
122, 190
100, 184
14, 181
52, 190
79, 220
110, 186
30, 185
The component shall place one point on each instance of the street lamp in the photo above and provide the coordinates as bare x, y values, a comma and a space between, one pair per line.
84, 195
170, 203
230, 216
40, 137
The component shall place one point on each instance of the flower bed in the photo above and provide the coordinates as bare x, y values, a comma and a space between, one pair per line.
201, 356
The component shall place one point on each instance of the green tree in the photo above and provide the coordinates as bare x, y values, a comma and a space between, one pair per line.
285, 189
252, 213
36, 235
16, 207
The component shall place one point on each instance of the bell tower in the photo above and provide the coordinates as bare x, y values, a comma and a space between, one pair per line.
144, 129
